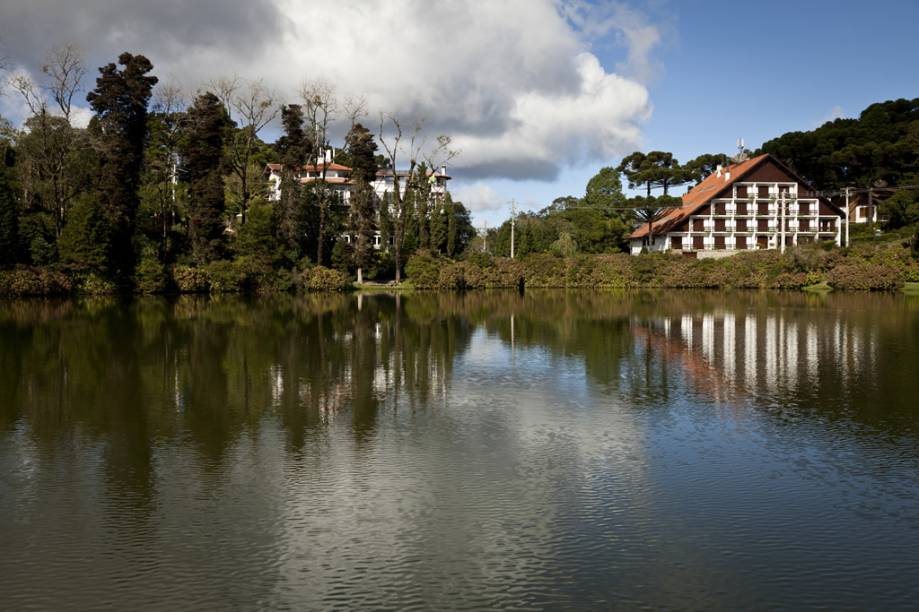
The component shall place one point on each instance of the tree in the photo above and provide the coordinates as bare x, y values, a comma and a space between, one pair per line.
649, 210
604, 189
901, 209
664, 170
294, 147
53, 152
251, 106
120, 125
160, 191
9, 216
362, 149
698, 169
201, 148
399, 209
84, 243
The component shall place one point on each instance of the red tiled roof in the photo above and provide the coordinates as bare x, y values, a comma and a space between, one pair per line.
699, 196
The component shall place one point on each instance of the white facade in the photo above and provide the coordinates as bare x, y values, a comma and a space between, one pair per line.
746, 215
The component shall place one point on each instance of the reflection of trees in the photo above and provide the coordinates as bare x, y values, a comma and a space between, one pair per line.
211, 370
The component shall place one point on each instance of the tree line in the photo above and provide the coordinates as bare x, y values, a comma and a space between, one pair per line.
156, 181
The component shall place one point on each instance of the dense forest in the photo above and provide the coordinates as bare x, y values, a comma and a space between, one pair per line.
161, 193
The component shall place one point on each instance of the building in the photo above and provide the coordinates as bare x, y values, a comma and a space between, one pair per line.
337, 178
755, 204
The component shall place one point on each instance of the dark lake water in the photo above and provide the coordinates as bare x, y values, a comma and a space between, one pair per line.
559, 450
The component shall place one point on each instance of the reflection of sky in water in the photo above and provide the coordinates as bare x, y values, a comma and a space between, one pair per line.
692, 454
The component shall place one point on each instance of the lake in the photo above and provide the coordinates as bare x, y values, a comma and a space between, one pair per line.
567, 450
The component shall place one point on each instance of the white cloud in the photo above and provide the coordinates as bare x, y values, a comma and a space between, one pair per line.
479, 197
514, 83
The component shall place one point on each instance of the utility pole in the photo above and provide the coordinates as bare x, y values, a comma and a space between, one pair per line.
782, 221
847, 217
484, 236
513, 224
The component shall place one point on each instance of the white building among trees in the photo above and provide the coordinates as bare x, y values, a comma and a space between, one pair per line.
755, 204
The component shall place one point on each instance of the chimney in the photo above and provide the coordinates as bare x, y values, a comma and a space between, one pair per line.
727, 176
443, 169
719, 171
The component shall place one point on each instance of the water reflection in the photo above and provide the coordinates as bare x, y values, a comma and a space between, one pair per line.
547, 449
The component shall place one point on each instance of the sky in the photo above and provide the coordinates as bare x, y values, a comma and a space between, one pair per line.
537, 95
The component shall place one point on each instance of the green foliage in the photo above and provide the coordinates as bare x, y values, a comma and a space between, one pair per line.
9, 220
150, 276
201, 147
25, 281
900, 209
93, 284
319, 278
881, 145
85, 240
120, 127
423, 269
189, 279
257, 237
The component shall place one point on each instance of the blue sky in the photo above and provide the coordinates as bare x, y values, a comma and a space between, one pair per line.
755, 70
537, 94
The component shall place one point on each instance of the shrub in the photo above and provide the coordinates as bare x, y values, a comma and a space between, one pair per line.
423, 269
24, 281
190, 280
150, 275
226, 277
319, 278
93, 284
862, 275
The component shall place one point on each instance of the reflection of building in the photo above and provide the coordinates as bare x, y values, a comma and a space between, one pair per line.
755, 204
726, 351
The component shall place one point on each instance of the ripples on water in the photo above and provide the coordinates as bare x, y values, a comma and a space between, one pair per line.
552, 450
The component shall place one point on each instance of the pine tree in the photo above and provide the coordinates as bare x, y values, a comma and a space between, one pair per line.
293, 208
201, 149
363, 150
9, 219
120, 103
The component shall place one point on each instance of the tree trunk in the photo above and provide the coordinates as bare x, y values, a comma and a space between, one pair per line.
360, 275
397, 257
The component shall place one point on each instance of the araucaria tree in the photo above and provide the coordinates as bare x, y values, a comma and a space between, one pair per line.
363, 150
120, 103
201, 148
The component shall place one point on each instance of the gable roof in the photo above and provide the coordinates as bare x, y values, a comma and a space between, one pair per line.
710, 188
699, 196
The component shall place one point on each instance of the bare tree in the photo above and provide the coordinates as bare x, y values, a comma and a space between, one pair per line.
252, 105
65, 71
320, 105
50, 172
400, 208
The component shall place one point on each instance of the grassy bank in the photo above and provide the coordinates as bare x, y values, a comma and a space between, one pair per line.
864, 267
861, 268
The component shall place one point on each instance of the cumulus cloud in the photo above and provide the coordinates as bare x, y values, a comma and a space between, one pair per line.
514, 83
479, 197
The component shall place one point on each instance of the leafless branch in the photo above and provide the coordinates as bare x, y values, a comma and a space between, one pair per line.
65, 72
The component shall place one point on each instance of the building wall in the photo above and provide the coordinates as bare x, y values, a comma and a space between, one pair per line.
747, 215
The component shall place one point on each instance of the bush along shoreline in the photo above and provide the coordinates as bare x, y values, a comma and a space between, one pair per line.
217, 277
861, 268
